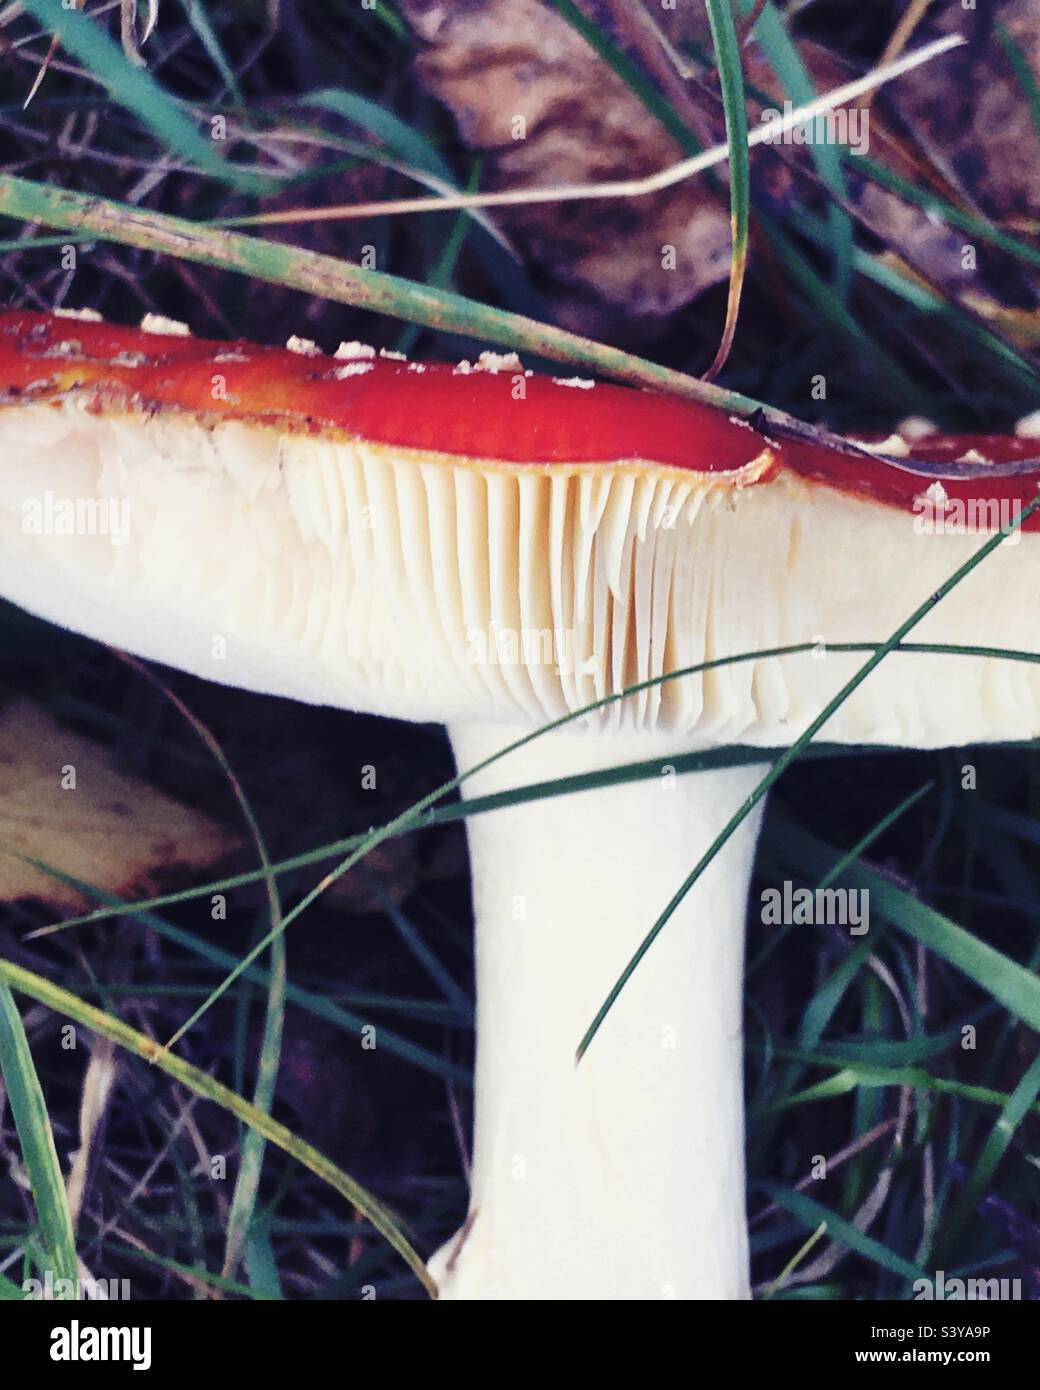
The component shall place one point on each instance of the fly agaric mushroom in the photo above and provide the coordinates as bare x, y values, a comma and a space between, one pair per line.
491, 549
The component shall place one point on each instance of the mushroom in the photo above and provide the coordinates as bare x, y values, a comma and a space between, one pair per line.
495, 550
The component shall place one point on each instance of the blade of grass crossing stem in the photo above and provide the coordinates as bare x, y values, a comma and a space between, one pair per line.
418, 814
1018, 1105
202, 1084
733, 756
790, 755
33, 1126
137, 90
734, 101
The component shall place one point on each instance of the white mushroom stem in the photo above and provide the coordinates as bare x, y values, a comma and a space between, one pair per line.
621, 1177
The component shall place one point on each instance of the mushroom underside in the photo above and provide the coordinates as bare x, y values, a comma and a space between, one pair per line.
433, 588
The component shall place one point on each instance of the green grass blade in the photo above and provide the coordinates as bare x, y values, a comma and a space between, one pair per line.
329, 278
1017, 988
900, 1052
202, 1084
195, 1274
771, 32
825, 1001
1019, 1104
136, 89
1024, 74
796, 1259
387, 14
734, 102
422, 813
937, 207
864, 844
862, 1075
821, 296
251, 1156
262, 1263
811, 1214
423, 953
36, 1138
992, 349
312, 1002
397, 135
199, 21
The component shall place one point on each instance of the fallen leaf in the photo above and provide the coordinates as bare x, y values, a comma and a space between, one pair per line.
528, 90
102, 826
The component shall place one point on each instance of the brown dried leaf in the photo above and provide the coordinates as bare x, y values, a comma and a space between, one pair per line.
505, 66
960, 125
111, 830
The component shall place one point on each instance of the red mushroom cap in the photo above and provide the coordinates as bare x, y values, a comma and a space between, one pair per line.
484, 413
468, 413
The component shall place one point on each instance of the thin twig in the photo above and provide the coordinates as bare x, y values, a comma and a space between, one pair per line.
616, 188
